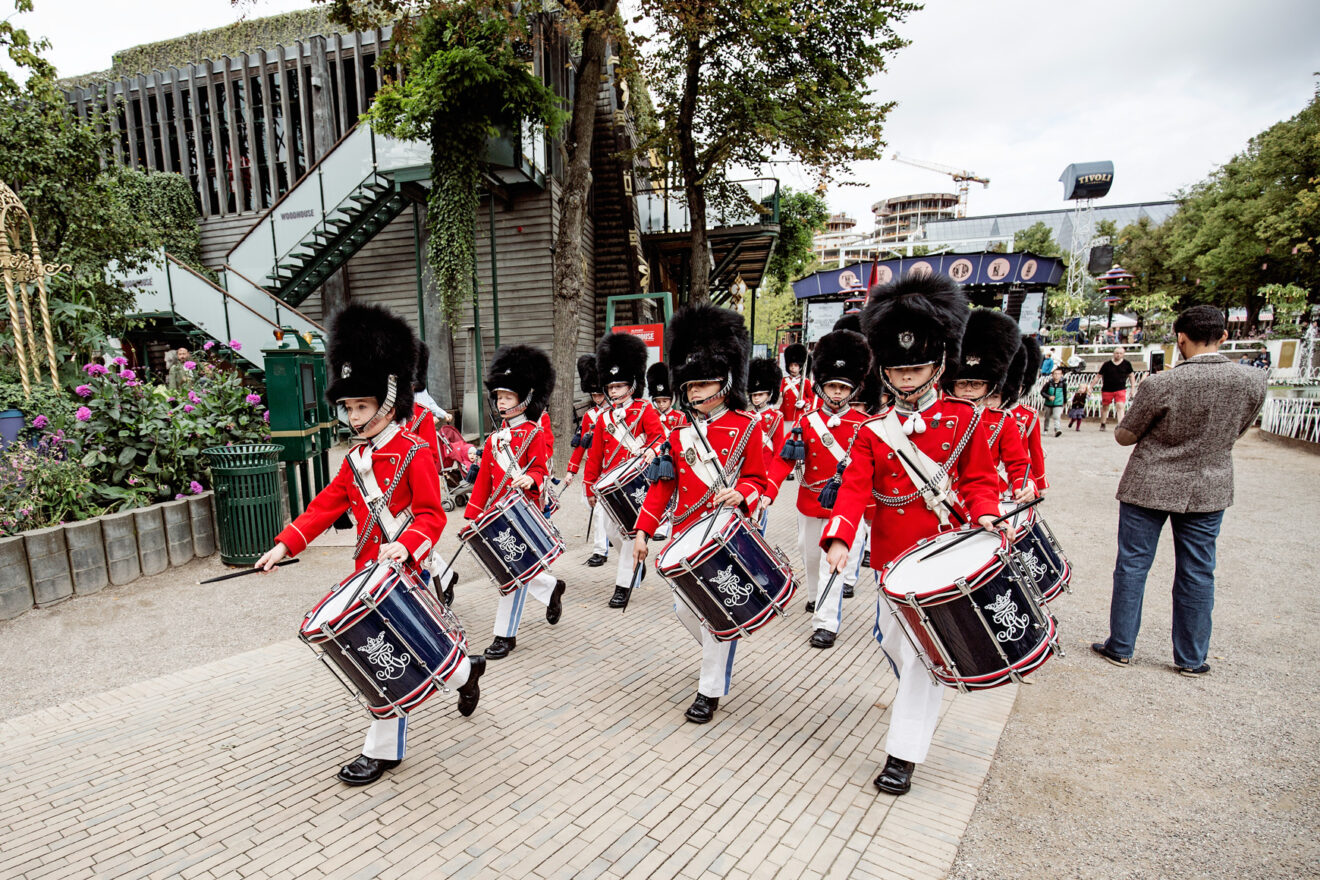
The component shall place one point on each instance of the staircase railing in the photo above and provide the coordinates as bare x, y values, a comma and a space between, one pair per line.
664, 209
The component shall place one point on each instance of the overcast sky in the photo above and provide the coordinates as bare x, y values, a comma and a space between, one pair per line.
1013, 90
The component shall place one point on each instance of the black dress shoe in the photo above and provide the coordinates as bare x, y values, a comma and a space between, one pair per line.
555, 609
620, 597
822, 638
500, 647
470, 692
702, 709
896, 778
364, 770
448, 596
811, 607
596, 560
847, 591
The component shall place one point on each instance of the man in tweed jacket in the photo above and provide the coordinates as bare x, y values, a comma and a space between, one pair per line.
1184, 424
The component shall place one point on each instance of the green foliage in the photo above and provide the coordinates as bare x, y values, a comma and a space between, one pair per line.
801, 216
775, 307
24, 55
167, 207
42, 485
1288, 300
464, 82
1038, 239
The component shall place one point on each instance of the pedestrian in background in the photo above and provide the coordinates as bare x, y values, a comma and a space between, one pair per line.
1183, 424
1077, 408
1054, 393
1115, 374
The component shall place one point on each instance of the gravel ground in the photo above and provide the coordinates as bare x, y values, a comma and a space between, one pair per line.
1102, 772
1139, 772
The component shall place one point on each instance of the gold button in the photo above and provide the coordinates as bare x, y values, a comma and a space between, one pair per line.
894, 491
945, 445
901, 511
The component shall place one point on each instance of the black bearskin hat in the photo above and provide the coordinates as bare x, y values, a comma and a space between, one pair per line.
916, 320
621, 357
1018, 385
657, 382
763, 374
795, 354
422, 365
586, 367
368, 345
707, 343
526, 371
840, 356
849, 321
988, 345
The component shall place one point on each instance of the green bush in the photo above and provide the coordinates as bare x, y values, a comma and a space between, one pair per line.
42, 485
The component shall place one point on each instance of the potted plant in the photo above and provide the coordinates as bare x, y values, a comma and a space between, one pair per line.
11, 415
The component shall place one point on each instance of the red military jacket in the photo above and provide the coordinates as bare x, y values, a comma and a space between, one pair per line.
821, 462
1028, 421
731, 434
775, 429
639, 419
518, 440
422, 424
402, 469
902, 518
588, 425
1006, 448
671, 419
797, 397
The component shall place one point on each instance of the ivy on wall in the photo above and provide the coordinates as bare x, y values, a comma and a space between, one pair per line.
166, 205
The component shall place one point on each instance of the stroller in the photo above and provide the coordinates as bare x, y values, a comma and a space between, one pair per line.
454, 464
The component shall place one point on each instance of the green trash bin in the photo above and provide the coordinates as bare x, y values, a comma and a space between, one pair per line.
246, 478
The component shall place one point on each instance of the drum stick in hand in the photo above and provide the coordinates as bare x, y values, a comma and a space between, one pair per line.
245, 572
636, 582
972, 532
820, 600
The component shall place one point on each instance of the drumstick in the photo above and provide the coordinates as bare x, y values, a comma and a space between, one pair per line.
971, 532
239, 574
820, 600
590, 517
636, 582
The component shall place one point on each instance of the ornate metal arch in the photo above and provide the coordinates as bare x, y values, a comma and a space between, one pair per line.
22, 269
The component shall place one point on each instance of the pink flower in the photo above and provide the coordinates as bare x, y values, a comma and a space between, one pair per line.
120, 361
83, 390
196, 488
190, 365
95, 369
178, 496
265, 417
132, 481
132, 383
82, 414
235, 345
40, 422
208, 346
253, 399
127, 374
188, 407
194, 397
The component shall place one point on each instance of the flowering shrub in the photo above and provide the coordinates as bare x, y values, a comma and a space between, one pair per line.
42, 485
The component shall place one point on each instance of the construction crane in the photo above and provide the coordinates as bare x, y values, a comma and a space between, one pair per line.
962, 178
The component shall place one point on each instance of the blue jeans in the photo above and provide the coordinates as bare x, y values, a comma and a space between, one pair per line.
1194, 537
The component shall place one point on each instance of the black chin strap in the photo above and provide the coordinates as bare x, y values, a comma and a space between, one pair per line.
391, 391
918, 392
691, 405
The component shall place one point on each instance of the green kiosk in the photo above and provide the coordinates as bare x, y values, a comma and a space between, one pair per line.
301, 420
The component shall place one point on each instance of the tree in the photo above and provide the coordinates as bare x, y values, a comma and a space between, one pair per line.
1038, 239
801, 216
743, 82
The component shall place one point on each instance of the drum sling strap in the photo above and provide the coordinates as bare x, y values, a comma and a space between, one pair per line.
510, 462
624, 434
935, 487
836, 449
391, 526
710, 472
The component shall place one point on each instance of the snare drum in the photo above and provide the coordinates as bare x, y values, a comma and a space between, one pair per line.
386, 638
973, 617
622, 489
727, 574
1037, 552
513, 541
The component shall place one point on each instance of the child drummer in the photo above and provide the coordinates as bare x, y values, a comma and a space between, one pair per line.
671, 417
717, 461
1028, 418
988, 347
764, 379
797, 393
389, 481
627, 428
516, 458
817, 450
901, 459
589, 381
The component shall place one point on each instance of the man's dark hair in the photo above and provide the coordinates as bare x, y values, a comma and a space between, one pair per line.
1201, 324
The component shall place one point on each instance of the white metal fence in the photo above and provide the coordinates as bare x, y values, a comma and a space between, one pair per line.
1296, 417
1075, 381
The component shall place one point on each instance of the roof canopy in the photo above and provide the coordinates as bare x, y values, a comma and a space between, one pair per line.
985, 270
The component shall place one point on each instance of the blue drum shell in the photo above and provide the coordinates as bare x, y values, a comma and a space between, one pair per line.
1035, 541
538, 544
620, 501
742, 555
972, 648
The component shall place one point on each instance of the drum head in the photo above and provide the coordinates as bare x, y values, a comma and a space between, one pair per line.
913, 574
332, 607
620, 473
684, 546
1020, 520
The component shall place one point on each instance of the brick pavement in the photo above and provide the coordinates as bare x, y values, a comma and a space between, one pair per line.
578, 762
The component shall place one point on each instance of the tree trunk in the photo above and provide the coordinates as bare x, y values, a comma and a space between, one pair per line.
569, 264
693, 186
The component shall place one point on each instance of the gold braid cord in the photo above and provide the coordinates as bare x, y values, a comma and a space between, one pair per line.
21, 271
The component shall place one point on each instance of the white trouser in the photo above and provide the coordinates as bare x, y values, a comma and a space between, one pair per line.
509, 611
716, 656
623, 570
916, 707
828, 615
600, 531
763, 520
387, 738
853, 573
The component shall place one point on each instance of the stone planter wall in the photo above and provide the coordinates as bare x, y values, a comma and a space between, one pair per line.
45, 566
